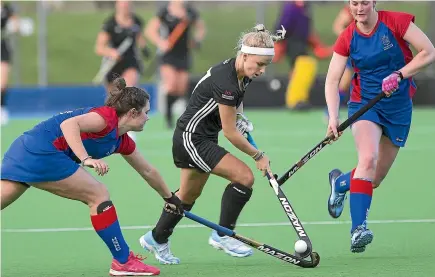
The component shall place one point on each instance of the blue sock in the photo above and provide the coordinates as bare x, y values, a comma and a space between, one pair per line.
107, 227
361, 191
342, 183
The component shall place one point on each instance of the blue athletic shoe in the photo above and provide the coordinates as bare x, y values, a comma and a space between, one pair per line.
231, 246
162, 252
336, 199
360, 238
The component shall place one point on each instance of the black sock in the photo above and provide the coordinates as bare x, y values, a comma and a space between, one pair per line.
3, 98
166, 224
170, 100
233, 200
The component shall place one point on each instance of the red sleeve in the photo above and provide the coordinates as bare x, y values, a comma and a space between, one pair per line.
127, 145
109, 115
342, 44
398, 22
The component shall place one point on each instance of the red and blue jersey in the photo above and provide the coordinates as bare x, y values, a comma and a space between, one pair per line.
376, 55
49, 136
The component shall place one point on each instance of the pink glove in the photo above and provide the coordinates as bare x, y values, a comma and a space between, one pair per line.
391, 83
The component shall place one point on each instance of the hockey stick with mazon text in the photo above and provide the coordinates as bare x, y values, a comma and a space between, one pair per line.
274, 252
288, 209
326, 140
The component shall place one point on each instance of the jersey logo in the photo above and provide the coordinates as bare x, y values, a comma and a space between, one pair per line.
110, 152
65, 112
386, 42
228, 95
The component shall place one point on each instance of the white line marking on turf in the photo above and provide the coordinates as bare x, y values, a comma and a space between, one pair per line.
271, 224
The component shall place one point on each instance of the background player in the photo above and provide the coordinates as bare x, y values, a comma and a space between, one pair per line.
47, 157
296, 18
175, 20
213, 106
343, 19
121, 25
9, 17
377, 43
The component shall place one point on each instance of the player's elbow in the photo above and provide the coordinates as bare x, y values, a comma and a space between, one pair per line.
229, 133
430, 55
68, 123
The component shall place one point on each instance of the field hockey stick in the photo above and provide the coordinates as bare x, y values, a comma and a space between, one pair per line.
288, 209
173, 37
326, 140
274, 252
110, 63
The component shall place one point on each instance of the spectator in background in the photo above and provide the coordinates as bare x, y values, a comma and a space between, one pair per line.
170, 31
116, 29
296, 19
9, 24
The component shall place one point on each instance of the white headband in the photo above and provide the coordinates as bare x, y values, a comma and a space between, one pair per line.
258, 50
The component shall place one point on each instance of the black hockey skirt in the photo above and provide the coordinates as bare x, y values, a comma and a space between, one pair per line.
191, 151
122, 66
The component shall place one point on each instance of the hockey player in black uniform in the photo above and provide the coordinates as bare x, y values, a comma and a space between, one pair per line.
214, 105
170, 30
122, 27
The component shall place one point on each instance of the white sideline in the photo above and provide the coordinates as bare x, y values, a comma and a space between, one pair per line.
264, 224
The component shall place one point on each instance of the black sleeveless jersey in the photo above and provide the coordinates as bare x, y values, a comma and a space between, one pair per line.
118, 34
218, 86
7, 12
168, 24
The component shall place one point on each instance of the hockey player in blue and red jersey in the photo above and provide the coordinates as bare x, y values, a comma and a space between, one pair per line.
377, 43
48, 157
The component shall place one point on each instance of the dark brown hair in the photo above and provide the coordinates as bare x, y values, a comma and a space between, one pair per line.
123, 98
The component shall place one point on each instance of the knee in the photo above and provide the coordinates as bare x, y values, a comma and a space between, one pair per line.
246, 178
99, 195
171, 88
188, 197
183, 84
170, 84
368, 162
131, 78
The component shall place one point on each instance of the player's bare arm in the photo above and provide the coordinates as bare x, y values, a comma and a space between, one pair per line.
426, 51
228, 118
102, 48
152, 33
200, 30
335, 71
86, 123
72, 127
148, 172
